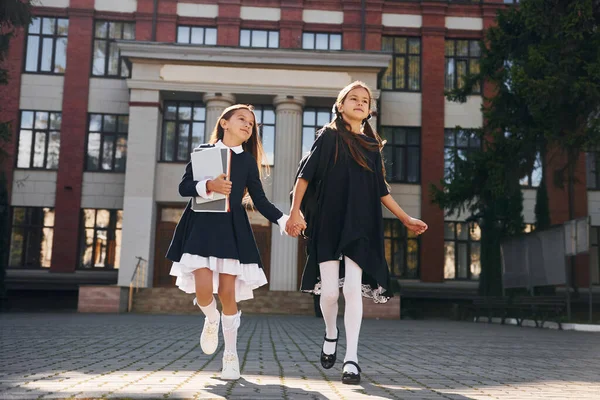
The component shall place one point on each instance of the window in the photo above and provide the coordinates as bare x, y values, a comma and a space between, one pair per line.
462, 250
183, 129
106, 58
265, 118
462, 58
39, 140
313, 120
31, 237
404, 71
257, 38
196, 35
101, 238
401, 250
461, 143
107, 142
47, 45
534, 178
321, 41
529, 228
592, 162
402, 154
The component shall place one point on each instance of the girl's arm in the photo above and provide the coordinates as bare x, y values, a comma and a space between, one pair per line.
188, 187
255, 189
296, 219
413, 224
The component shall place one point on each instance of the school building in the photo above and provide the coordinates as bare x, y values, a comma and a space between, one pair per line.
109, 97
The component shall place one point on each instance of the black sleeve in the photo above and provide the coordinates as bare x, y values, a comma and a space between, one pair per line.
383, 188
322, 144
255, 189
187, 186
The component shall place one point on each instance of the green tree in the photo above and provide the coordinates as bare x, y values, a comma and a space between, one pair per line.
542, 61
14, 14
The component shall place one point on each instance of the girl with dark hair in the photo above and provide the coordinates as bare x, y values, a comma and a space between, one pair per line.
215, 252
346, 246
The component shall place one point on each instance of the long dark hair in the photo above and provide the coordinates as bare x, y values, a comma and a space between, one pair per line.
252, 145
356, 142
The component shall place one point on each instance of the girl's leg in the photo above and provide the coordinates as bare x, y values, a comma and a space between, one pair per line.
203, 279
353, 312
231, 323
330, 293
209, 340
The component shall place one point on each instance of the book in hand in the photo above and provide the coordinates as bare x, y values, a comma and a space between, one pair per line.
209, 163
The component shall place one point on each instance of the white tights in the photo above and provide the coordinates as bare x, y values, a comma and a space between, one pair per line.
354, 307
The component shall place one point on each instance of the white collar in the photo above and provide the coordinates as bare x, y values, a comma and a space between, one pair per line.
236, 149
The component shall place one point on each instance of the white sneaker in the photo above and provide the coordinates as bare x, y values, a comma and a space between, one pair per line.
231, 367
209, 340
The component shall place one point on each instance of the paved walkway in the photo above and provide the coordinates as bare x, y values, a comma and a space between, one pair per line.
46, 356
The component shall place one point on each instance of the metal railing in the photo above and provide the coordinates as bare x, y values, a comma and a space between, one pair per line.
138, 279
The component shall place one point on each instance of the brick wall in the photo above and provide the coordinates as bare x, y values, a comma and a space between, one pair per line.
102, 299
432, 139
174, 301
73, 136
9, 112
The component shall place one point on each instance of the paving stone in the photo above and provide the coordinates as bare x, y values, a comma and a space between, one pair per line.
150, 356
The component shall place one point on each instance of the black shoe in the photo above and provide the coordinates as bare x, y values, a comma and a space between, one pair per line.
328, 360
350, 378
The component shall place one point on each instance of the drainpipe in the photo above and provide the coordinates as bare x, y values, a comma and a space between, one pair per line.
154, 18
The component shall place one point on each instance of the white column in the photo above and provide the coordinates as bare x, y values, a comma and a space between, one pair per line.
139, 207
215, 104
373, 120
288, 148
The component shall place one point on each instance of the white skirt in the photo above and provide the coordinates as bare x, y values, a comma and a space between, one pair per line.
249, 276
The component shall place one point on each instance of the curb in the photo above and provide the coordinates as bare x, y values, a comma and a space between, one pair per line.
547, 325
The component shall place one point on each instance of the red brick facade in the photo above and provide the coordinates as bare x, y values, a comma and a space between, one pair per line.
81, 16
74, 127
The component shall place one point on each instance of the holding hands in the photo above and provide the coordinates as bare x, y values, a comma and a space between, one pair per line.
296, 224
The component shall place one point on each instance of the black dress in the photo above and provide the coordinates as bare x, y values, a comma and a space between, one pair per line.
222, 241
349, 219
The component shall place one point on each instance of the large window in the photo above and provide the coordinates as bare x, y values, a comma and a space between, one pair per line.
462, 58
321, 41
183, 129
458, 142
39, 139
31, 237
534, 178
107, 142
462, 250
401, 250
47, 45
592, 162
259, 38
100, 245
404, 71
106, 58
402, 154
196, 35
313, 120
265, 118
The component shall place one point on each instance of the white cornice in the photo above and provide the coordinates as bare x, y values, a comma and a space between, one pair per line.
218, 55
225, 88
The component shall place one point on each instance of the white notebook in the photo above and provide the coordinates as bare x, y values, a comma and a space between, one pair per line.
209, 163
